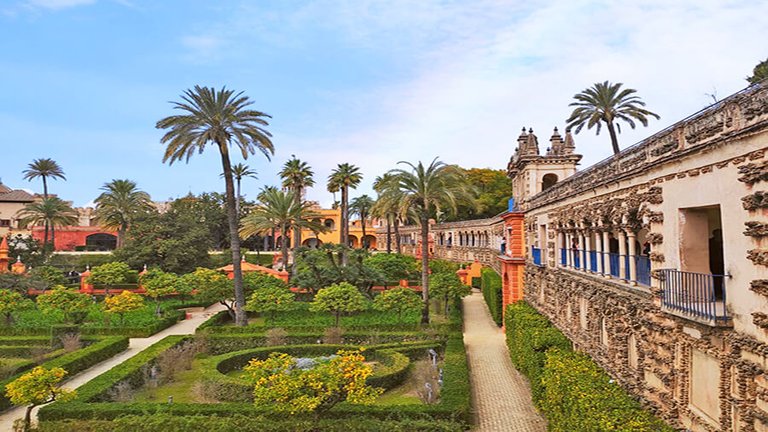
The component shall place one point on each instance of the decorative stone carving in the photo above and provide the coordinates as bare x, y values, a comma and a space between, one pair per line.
758, 256
760, 319
755, 201
655, 238
752, 173
756, 229
656, 257
759, 286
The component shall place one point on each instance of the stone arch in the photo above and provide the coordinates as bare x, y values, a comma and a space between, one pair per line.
330, 224
101, 241
352, 241
312, 243
548, 181
369, 241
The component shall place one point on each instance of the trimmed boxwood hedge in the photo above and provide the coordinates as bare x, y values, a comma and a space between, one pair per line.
571, 390
490, 285
76, 361
171, 317
454, 404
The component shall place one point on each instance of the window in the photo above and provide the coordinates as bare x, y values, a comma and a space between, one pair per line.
548, 181
5, 222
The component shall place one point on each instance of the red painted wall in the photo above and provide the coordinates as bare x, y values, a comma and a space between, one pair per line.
69, 237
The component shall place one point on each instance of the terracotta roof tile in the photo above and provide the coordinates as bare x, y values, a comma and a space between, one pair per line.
16, 196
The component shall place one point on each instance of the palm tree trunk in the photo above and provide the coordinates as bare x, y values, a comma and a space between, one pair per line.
284, 246
240, 318
272, 241
237, 203
614, 138
425, 268
398, 246
45, 187
53, 237
389, 235
121, 235
344, 224
45, 237
297, 230
362, 240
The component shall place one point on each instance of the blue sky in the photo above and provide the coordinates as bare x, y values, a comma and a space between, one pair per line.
369, 82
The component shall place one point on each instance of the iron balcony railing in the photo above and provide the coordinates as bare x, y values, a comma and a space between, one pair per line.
608, 263
701, 295
536, 255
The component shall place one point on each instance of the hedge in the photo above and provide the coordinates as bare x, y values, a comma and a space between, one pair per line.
454, 405
249, 423
76, 361
170, 318
490, 285
570, 389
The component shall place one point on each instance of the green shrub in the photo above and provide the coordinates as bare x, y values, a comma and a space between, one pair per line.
249, 423
571, 390
490, 284
76, 361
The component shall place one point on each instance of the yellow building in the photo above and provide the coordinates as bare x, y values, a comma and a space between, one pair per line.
331, 219
11, 201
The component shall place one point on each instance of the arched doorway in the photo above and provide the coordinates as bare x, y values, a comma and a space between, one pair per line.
369, 242
312, 243
352, 241
101, 242
548, 181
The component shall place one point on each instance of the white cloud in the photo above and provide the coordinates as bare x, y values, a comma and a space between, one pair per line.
58, 4
202, 48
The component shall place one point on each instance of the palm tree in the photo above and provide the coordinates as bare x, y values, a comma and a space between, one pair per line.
425, 192
240, 171
387, 206
279, 209
51, 212
759, 73
220, 118
361, 206
297, 176
119, 204
44, 168
605, 103
342, 178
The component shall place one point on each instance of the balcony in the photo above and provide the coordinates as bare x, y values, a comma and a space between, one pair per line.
697, 296
608, 264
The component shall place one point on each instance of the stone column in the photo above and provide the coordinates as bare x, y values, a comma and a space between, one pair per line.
582, 245
588, 249
560, 242
622, 254
599, 252
568, 250
606, 257
632, 254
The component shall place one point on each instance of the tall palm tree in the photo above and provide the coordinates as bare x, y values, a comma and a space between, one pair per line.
297, 176
425, 192
240, 171
44, 168
606, 103
279, 209
361, 206
387, 206
221, 118
119, 204
342, 178
51, 212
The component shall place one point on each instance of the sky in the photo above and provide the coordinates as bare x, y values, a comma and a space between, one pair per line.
367, 82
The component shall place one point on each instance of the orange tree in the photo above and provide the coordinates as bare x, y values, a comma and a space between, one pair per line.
123, 303
278, 384
12, 302
71, 303
37, 387
339, 298
398, 301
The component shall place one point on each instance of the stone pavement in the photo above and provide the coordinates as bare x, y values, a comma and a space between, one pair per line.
500, 394
135, 346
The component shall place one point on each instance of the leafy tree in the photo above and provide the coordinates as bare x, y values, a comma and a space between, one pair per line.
362, 206
208, 211
37, 387
606, 103
119, 205
221, 118
21, 283
279, 209
393, 266
337, 299
493, 189
123, 303
51, 212
27, 248
175, 241
73, 304
111, 274
157, 284
449, 287
279, 384
399, 301
443, 266
44, 168
759, 73
271, 299
343, 177
426, 191
297, 177
316, 268
12, 302
211, 286
255, 280
51, 275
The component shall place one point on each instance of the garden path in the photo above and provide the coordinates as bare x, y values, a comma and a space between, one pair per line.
500, 394
136, 345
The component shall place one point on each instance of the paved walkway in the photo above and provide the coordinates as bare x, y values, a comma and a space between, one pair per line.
500, 394
135, 346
